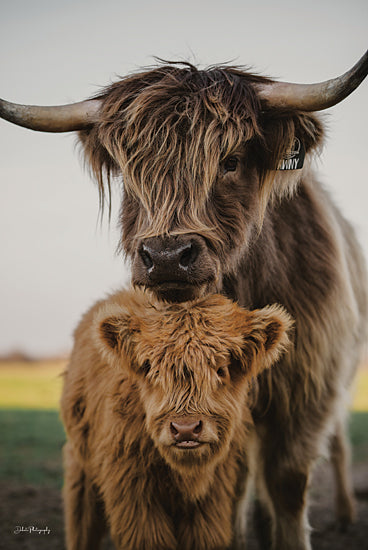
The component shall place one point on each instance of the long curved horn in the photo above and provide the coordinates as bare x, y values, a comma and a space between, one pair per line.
313, 97
60, 118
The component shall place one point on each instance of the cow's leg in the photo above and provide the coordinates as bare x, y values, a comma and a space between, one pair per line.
340, 459
244, 486
240, 523
282, 476
263, 523
84, 519
287, 487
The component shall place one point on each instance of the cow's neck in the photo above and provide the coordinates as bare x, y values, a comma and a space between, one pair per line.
285, 264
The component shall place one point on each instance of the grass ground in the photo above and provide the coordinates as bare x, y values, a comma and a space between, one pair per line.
32, 437
31, 433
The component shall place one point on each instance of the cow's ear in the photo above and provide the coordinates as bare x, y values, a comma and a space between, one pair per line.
116, 330
289, 143
266, 335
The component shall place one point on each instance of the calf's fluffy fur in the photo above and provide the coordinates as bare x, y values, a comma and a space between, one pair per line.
156, 408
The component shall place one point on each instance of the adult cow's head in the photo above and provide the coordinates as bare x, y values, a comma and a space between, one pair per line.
198, 152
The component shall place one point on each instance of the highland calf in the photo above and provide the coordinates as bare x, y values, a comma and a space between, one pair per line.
156, 409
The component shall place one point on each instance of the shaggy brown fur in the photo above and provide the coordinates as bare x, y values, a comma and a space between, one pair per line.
140, 367
198, 157
169, 131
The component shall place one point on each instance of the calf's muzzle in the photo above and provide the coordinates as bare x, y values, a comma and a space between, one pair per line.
186, 432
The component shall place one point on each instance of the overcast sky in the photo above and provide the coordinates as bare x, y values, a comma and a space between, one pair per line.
55, 258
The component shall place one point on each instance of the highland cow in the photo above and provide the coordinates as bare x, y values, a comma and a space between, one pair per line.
156, 408
220, 196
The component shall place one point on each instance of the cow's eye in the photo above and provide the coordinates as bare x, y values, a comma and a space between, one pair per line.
230, 164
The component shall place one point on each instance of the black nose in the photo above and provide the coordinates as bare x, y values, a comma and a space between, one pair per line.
185, 430
169, 258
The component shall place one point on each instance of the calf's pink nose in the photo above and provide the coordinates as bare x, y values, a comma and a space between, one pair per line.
186, 431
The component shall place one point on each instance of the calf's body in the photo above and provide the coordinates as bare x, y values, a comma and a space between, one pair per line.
156, 409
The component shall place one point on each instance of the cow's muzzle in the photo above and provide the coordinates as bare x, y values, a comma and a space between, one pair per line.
177, 268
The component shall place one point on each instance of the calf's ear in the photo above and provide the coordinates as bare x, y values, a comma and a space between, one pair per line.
114, 332
266, 335
116, 329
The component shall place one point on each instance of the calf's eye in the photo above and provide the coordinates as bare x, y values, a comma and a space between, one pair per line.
230, 164
221, 372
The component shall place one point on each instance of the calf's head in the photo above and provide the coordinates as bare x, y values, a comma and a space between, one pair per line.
193, 364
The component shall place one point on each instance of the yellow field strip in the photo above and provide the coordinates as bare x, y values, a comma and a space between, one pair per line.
37, 385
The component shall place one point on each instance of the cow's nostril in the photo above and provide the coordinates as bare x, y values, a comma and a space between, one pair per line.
146, 258
188, 256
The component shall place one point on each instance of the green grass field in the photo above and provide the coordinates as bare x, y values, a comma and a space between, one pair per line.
31, 432
32, 435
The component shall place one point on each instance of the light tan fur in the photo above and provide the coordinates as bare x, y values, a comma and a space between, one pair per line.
138, 365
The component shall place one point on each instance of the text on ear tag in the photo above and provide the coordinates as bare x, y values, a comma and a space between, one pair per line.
293, 158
